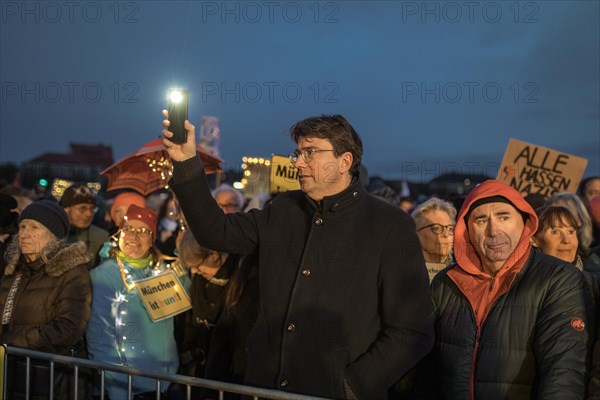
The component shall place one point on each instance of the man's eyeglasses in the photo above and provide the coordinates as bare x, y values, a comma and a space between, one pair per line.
130, 230
86, 209
438, 229
307, 154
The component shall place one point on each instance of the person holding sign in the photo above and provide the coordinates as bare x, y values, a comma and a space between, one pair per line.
345, 305
122, 329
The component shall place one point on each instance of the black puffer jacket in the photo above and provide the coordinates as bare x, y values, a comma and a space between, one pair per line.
530, 344
53, 303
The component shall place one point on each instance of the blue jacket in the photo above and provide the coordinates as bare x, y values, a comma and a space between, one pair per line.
121, 332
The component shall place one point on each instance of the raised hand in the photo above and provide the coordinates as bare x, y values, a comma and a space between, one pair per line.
179, 152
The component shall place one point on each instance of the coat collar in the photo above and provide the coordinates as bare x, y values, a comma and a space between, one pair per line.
338, 202
67, 257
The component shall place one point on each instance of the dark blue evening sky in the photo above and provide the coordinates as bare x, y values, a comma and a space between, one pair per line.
430, 86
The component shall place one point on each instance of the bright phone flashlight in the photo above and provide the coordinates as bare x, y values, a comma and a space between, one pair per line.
175, 96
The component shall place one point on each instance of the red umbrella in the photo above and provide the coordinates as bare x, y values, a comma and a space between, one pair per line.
150, 168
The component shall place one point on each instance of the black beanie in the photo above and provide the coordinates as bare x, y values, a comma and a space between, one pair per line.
49, 214
77, 193
493, 199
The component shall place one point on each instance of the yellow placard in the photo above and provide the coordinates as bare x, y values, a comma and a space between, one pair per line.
284, 176
530, 168
163, 295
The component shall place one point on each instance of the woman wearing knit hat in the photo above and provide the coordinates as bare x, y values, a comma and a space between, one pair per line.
45, 294
120, 329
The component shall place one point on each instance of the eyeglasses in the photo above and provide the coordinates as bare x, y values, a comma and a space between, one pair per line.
86, 209
130, 230
307, 154
438, 229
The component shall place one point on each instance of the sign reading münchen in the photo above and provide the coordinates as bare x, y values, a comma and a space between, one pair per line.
163, 295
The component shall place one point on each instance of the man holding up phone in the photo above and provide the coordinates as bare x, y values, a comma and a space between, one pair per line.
345, 304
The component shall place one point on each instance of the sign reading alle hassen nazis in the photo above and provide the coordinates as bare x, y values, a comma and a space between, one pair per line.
530, 168
163, 295
284, 176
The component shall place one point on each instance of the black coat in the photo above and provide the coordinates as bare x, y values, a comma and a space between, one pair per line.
344, 293
51, 310
53, 303
194, 327
227, 357
529, 345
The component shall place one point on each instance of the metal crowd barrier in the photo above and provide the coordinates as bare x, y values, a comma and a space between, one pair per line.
189, 382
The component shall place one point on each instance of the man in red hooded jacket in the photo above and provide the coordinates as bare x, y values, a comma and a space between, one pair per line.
510, 321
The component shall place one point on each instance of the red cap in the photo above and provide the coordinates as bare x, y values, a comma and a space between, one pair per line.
143, 214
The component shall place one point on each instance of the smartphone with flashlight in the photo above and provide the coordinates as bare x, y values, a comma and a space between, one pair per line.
178, 113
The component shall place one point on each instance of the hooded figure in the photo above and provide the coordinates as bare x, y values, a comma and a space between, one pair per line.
510, 320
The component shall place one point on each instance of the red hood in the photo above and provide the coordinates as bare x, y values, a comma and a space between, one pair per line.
464, 253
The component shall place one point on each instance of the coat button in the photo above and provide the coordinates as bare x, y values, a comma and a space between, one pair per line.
319, 221
305, 272
291, 327
355, 194
283, 383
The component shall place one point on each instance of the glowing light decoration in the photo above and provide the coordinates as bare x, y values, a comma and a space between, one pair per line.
162, 166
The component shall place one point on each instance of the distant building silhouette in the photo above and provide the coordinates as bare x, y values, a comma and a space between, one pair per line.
82, 164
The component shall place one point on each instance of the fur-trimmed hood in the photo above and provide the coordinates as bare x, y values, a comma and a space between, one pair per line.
66, 257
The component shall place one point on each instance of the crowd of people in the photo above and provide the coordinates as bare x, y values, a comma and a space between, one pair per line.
327, 291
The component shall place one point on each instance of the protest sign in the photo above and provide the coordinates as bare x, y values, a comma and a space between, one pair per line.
284, 176
530, 168
210, 135
163, 295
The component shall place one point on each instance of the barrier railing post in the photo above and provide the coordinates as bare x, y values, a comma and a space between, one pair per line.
52, 380
129, 387
27, 378
3, 369
76, 390
102, 372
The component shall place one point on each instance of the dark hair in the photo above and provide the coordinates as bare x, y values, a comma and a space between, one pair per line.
584, 183
337, 130
244, 271
555, 216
